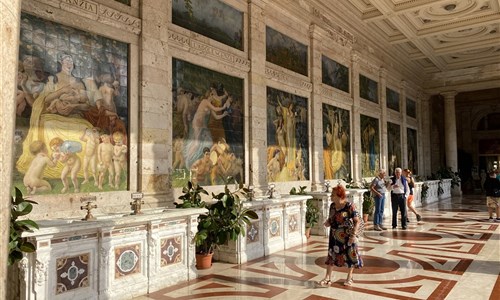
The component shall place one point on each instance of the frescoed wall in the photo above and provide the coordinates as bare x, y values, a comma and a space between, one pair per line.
207, 125
368, 89
393, 147
71, 110
411, 108
412, 150
213, 19
287, 137
335, 74
392, 99
336, 143
286, 52
370, 146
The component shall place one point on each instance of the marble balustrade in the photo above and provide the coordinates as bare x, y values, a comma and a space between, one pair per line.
117, 256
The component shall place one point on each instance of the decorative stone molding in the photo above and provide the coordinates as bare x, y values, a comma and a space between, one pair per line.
288, 79
199, 48
40, 273
331, 93
338, 34
99, 12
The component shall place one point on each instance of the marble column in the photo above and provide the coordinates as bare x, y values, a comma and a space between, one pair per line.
318, 173
384, 147
450, 130
423, 116
257, 92
355, 117
10, 14
404, 125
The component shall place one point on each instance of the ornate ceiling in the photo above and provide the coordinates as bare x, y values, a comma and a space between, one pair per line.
441, 36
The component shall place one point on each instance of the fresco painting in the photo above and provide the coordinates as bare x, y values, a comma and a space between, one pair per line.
411, 136
393, 147
336, 142
213, 19
411, 108
370, 146
71, 130
335, 74
392, 98
368, 89
286, 52
207, 126
287, 137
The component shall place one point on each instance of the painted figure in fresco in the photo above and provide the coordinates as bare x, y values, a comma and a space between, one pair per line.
299, 165
45, 126
183, 108
288, 114
33, 179
105, 157
369, 147
336, 145
274, 166
200, 136
31, 82
68, 100
177, 154
91, 138
280, 130
119, 156
201, 168
65, 152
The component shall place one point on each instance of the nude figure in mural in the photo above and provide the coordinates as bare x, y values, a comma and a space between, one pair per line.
368, 137
183, 108
65, 152
33, 179
119, 156
105, 160
91, 139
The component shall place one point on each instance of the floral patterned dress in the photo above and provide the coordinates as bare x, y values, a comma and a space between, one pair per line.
340, 253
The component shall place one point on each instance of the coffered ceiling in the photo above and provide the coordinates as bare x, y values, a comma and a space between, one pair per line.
439, 35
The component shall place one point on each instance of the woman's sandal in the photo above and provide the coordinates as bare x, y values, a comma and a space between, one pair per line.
325, 282
349, 281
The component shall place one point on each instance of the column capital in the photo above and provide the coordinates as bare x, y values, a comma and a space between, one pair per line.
355, 57
403, 84
315, 31
449, 95
383, 72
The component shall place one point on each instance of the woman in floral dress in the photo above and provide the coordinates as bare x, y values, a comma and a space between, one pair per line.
344, 223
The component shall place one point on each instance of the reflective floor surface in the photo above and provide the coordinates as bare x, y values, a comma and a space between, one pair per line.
453, 253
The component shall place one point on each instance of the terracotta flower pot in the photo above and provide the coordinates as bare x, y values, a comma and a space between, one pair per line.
365, 218
204, 261
308, 232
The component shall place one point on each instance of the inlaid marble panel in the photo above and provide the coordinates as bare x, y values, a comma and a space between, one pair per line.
171, 250
253, 232
293, 223
127, 260
274, 227
72, 273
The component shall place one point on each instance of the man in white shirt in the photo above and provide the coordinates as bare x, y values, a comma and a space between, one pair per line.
399, 192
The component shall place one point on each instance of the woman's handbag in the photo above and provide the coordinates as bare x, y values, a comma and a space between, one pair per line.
496, 193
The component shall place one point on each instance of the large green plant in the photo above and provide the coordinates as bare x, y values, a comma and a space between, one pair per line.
17, 243
191, 196
225, 220
312, 213
368, 203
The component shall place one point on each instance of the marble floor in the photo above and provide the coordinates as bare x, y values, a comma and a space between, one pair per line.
453, 253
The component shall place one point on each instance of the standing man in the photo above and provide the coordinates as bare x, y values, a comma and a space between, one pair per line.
378, 188
399, 192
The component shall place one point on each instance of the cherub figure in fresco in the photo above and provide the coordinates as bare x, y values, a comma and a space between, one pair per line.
33, 179
119, 156
105, 160
177, 154
65, 152
91, 138
201, 168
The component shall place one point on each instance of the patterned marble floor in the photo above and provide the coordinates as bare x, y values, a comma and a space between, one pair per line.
453, 253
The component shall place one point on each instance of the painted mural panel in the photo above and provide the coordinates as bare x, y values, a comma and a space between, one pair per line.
287, 137
393, 147
213, 19
411, 108
71, 110
368, 89
370, 146
207, 125
335, 74
286, 52
336, 142
392, 99
411, 136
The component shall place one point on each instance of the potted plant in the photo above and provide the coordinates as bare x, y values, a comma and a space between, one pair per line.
368, 206
18, 244
192, 196
312, 216
225, 220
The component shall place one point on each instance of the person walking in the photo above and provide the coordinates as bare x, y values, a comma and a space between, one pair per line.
409, 201
399, 192
344, 222
492, 188
378, 187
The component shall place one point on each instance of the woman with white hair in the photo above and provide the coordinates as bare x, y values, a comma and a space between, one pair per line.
378, 187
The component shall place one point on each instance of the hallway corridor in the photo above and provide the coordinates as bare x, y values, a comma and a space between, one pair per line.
453, 253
